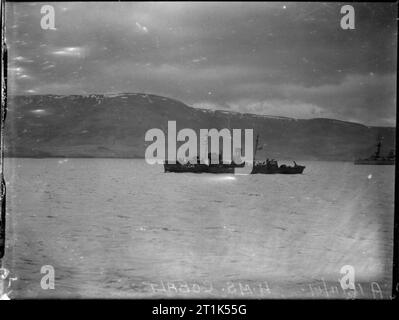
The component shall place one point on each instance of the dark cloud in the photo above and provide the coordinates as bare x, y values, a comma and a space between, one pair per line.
287, 59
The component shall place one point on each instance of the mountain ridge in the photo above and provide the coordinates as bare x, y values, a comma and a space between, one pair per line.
121, 94
114, 125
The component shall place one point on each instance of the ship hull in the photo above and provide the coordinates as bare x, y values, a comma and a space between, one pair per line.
375, 162
279, 170
200, 168
203, 168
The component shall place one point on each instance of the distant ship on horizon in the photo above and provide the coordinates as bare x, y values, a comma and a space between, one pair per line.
376, 158
258, 167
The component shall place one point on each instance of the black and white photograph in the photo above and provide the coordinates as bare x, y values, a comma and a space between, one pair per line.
198, 150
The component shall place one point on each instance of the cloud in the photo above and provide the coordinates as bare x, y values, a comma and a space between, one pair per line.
367, 99
22, 59
16, 70
200, 59
252, 57
77, 52
278, 107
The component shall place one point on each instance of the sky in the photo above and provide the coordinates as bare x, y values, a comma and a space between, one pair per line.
281, 58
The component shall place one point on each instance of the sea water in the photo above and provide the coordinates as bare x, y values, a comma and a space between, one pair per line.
124, 228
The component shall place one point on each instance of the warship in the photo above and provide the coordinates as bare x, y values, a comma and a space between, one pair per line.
197, 167
272, 167
376, 158
258, 167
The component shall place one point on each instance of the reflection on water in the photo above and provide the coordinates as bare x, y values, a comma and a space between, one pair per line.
123, 228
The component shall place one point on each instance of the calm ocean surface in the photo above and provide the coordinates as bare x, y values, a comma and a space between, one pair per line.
122, 228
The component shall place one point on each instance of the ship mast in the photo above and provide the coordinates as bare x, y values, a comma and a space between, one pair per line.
256, 144
377, 153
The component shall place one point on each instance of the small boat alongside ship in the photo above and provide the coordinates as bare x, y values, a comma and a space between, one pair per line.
376, 158
258, 167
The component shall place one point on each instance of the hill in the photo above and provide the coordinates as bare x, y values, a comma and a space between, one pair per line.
115, 125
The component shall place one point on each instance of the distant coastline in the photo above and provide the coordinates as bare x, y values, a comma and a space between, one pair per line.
147, 94
114, 126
